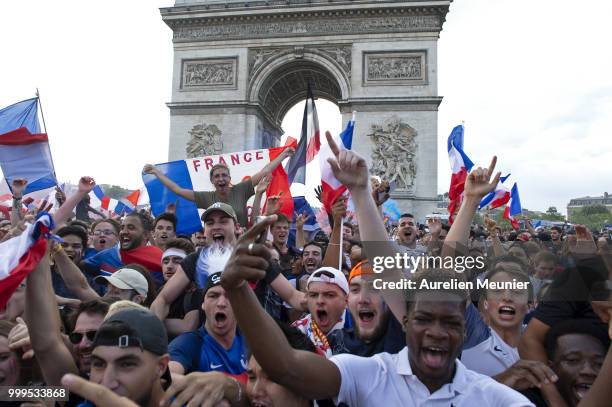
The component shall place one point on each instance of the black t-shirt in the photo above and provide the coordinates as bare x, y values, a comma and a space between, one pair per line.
267, 297
286, 260
186, 302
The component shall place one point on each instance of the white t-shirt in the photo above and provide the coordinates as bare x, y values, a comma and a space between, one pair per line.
491, 357
387, 380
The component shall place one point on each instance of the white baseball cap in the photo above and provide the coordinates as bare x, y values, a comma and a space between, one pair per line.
329, 275
127, 279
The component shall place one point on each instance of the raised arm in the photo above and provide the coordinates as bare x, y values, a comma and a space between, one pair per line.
260, 189
287, 152
477, 185
491, 225
72, 275
64, 212
169, 293
168, 183
295, 298
42, 318
334, 250
307, 374
17, 186
300, 235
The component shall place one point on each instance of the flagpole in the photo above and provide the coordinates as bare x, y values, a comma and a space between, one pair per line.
341, 243
42, 115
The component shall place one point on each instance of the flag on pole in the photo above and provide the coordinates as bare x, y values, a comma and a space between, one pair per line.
128, 203
309, 144
460, 166
24, 150
99, 199
499, 197
20, 255
331, 188
514, 208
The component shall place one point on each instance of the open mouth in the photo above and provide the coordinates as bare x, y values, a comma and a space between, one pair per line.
506, 312
164, 237
434, 356
310, 264
322, 317
366, 316
102, 241
259, 404
125, 240
218, 238
581, 389
220, 317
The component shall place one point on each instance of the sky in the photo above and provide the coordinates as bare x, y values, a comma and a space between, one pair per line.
531, 79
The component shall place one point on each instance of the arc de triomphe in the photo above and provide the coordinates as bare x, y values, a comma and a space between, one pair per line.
239, 66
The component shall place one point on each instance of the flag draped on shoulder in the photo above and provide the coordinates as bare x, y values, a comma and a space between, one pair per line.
514, 208
193, 174
24, 150
331, 188
308, 146
20, 255
460, 166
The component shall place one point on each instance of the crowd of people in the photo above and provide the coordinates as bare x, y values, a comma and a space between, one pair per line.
123, 311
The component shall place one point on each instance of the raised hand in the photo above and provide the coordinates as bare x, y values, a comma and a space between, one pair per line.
525, 374
380, 193
18, 186
149, 169
435, 226
348, 167
318, 192
249, 260
288, 152
19, 338
60, 196
263, 184
478, 182
273, 204
339, 209
301, 219
584, 241
44, 207
86, 184
490, 224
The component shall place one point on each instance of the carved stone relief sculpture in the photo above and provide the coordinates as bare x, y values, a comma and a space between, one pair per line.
209, 73
394, 152
205, 140
401, 68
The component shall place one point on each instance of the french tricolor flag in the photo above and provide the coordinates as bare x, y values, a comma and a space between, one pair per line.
331, 188
128, 203
514, 208
20, 255
24, 150
499, 197
460, 166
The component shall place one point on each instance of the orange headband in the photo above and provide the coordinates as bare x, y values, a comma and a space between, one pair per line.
363, 267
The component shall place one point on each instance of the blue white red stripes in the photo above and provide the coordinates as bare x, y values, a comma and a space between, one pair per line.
460, 166
514, 208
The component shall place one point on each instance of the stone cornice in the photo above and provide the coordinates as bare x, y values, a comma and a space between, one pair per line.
332, 19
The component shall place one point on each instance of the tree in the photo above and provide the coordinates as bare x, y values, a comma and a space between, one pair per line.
592, 216
553, 215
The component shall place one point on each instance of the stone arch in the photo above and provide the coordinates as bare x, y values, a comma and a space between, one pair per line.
281, 81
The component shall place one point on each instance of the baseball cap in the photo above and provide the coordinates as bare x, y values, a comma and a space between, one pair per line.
219, 206
212, 281
329, 275
134, 328
127, 279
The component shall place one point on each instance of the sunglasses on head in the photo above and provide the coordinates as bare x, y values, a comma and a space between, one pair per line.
77, 337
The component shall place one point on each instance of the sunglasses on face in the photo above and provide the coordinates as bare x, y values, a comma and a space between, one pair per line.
77, 337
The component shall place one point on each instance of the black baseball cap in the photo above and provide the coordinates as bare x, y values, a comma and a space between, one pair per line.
212, 281
134, 328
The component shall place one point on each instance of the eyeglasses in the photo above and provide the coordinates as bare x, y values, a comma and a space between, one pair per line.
104, 232
77, 337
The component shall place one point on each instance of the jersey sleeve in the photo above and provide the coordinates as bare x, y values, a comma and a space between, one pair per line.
183, 348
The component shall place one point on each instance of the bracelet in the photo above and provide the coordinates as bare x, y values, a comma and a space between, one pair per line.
239, 389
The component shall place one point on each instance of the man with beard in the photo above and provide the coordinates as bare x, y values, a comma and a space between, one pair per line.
576, 349
374, 330
326, 294
235, 195
427, 369
217, 345
133, 237
164, 229
220, 229
130, 357
312, 259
